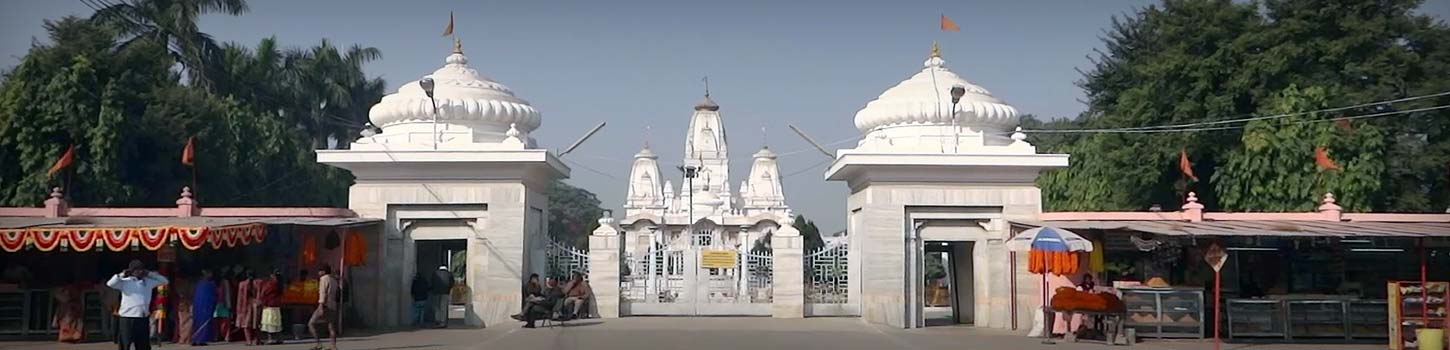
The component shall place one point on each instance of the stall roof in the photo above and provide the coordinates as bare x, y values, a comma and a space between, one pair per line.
80, 222
1293, 228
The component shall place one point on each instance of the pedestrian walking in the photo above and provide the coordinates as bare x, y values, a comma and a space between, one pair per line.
135, 284
442, 287
326, 313
420, 290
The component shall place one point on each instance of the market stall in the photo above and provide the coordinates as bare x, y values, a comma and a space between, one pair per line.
44, 303
1294, 280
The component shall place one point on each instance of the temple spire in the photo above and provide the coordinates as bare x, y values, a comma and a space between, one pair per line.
935, 49
457, 45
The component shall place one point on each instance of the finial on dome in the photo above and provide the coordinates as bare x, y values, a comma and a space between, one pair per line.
457, 45
1018, 136
934, 60
707, 104
514, 137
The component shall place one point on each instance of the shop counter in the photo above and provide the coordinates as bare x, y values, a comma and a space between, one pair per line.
1294, 318
1165, 312
28, 313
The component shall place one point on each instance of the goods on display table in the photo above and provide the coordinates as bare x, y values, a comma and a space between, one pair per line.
1416, 309
1165, 312
1070, 301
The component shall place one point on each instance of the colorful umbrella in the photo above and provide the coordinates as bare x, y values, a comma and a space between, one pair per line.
1050, 250
1049, 239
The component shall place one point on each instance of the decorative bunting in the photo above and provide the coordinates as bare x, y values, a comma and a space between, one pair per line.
117, 239
45, 240
154, 238
120, 239
13, 240
82, 240
191, 238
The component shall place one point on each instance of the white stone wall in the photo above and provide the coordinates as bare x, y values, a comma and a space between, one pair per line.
880, 239
501, 240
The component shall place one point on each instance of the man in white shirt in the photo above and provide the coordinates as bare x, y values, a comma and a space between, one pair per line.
135, 284
326, 313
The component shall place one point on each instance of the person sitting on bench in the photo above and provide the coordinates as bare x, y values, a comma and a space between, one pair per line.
543, 305
577, 295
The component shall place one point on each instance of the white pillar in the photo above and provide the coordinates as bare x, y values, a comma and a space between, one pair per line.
788, 287
742, 273
605, 248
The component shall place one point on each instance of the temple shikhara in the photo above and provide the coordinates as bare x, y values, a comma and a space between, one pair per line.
667, 227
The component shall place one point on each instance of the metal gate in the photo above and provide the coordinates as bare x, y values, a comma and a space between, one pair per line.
679, 282
564, 260
828, 285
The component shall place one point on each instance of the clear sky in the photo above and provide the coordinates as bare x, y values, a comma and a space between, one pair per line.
811, 63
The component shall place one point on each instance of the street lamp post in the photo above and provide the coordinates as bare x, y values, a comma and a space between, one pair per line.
957, 92
690, 171
427, 84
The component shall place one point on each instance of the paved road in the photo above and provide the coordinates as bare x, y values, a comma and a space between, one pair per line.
706, 334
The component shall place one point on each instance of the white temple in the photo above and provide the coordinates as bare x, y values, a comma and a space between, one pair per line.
935, 177
723, 218
465, 176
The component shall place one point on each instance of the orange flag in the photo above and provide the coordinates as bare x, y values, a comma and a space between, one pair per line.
947, 25
64, 161
449, 29
188, 154
1321, 158
1184, 165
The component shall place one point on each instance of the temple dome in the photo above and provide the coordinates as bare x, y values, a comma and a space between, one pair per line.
464, 97
925, 98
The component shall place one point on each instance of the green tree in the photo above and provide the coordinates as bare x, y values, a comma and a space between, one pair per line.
171, 24
810, 234
1196, 61
573, 214
129, 116
1272, 168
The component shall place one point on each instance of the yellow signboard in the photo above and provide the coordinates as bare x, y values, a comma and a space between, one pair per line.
718, 259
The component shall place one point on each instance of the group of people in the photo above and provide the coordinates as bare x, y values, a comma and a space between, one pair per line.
553, 301
211, 307
431, 296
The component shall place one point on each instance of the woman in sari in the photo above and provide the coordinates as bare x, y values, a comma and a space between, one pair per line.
183, 330
223, 316
203, 308
69, 314
245, 315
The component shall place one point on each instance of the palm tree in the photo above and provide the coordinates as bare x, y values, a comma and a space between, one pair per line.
333, 93
172, 23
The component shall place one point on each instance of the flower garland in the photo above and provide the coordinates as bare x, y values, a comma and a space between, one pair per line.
119, 239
